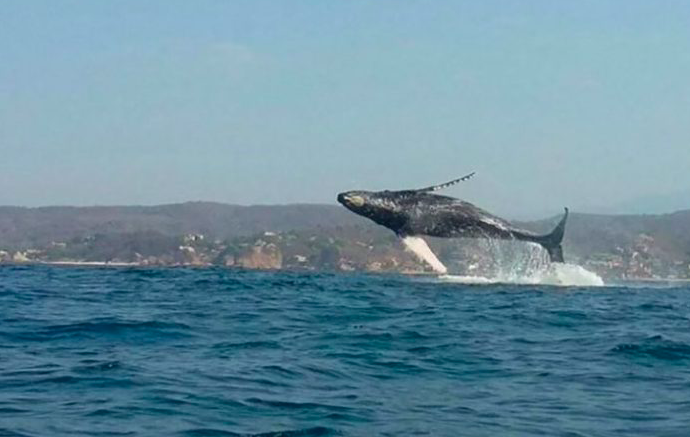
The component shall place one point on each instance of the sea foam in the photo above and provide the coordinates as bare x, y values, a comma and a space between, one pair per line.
529, 264
571, 275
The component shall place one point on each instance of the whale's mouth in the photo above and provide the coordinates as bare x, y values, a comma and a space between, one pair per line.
351, 200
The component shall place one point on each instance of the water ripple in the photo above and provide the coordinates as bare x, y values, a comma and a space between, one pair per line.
655, 347
215, 352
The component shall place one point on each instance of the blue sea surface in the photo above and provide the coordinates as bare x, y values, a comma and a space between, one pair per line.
216, 352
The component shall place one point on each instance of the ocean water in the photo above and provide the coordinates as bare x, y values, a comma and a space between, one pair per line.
215, 352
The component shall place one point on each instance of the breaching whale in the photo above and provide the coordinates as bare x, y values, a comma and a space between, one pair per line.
419, 212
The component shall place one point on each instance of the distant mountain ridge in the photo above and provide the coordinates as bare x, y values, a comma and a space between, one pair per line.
651, 204
592, 233
23, 228
314, 236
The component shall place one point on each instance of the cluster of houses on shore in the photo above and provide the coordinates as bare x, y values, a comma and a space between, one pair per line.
274, 250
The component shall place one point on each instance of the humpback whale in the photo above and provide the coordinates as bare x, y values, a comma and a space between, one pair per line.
414, 213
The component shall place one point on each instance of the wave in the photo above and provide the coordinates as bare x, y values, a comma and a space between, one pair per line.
94, 366
295, 405
250, 344
9, 433
317, 431
655, 347
100, 327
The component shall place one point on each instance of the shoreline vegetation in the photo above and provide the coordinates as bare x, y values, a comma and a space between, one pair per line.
323, 238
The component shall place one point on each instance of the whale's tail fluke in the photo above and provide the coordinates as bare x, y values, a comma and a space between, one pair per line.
553, 242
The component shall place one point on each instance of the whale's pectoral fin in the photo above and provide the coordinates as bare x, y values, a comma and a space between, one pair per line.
418, 246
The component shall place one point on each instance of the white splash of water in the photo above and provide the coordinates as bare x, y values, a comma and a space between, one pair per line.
419, 247
513, 263
528, 264
569, 275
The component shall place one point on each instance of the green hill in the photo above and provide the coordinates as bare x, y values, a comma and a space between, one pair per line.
315, 237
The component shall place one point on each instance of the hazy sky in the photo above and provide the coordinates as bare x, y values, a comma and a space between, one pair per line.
553, 103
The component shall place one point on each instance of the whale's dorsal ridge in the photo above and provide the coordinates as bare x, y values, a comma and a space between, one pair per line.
446, 184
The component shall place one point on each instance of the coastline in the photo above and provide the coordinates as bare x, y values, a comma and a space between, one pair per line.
119, 264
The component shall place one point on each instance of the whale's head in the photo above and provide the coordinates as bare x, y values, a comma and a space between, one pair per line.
383, 207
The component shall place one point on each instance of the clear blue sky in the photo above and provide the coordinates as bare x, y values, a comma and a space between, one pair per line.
553, 103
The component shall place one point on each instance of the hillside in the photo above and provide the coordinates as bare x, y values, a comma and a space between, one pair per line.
26, 228
315, 237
